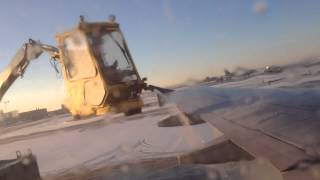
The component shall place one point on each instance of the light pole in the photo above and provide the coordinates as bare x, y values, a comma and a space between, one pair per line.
5, 105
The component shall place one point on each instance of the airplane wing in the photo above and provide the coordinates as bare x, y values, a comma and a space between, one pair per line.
280, 125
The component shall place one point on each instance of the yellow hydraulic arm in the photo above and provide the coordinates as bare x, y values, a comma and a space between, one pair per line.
28, 52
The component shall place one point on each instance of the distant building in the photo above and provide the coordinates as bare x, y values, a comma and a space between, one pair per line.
14, 117
228, 75
34, 114
8, 117
273, 69
59, 111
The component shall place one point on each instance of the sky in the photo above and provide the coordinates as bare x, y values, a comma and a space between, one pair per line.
171, 41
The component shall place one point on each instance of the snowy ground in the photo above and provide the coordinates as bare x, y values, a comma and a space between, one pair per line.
305, 74
61, 144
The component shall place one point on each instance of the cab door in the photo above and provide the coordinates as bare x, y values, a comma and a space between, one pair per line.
86, 89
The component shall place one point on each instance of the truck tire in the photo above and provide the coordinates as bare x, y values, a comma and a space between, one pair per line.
132, 112
76, 117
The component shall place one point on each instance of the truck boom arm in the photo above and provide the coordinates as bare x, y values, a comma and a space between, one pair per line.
28, 52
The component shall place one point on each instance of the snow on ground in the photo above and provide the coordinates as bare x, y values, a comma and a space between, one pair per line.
300, 75
60, 144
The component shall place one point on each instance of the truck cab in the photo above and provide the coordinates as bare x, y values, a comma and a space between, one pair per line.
99, 73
